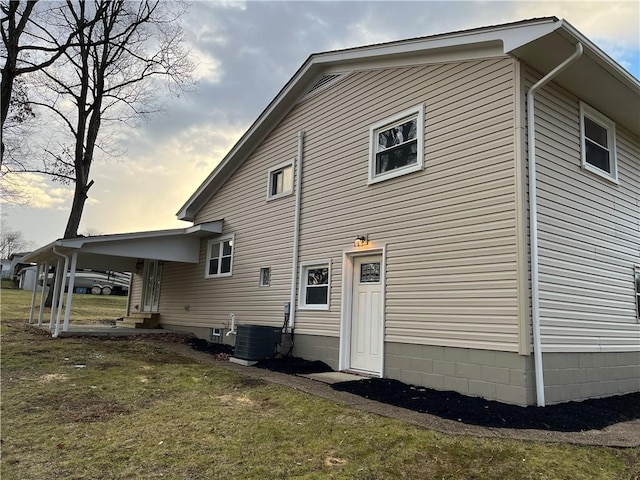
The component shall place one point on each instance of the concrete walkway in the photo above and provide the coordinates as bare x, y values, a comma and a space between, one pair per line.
626, 434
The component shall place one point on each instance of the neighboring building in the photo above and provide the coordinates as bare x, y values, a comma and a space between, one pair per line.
384, 193
5, 270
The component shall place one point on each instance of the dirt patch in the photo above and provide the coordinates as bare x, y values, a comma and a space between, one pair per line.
220, 351
53, 377
593, 414
91, 411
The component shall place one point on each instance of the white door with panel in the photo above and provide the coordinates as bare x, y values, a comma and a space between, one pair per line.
366, 315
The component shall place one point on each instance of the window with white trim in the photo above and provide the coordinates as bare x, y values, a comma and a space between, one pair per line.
598, 143
219, 257
396, 145
280, 181
265, 276
637, 275
314, 286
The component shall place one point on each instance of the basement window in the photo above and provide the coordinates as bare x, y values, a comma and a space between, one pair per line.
280, 181
598, 143
396, 145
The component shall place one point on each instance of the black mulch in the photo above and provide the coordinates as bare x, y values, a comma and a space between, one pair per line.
566, 417
293, 365
594, 414
208, 347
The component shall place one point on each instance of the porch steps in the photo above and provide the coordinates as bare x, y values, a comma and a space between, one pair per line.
141, 320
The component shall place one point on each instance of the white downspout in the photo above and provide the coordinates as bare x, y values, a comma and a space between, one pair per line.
296, 230
533, 221
63, 281
45, 290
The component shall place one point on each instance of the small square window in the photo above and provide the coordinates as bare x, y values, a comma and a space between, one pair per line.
314, 286
219, 257
396, 145
265, 276
280, 182
598, 143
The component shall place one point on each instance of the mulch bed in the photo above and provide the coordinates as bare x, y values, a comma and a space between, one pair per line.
593, 414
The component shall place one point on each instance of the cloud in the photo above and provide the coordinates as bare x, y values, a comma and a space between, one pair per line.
39, 192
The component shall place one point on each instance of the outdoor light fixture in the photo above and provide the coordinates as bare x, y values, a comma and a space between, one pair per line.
361, 240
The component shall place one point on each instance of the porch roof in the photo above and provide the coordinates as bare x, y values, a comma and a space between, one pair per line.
122, 251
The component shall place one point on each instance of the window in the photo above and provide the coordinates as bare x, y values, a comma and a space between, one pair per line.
396, 145
280, 181
219, 257
314, 286
637, 274
265, 276
598, 143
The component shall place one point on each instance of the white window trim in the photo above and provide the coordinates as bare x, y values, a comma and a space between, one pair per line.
636, 271
220, 240
388, 122
280, 166
260, 279
303, 290
606, 122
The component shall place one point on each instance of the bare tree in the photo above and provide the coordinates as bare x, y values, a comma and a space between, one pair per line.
28, 45
108, 75
12, 241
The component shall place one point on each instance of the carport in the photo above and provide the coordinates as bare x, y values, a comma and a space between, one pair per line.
122, 252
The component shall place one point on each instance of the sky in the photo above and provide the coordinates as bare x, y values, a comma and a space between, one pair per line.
246, 52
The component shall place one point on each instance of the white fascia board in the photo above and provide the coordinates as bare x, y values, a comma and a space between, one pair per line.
599, 56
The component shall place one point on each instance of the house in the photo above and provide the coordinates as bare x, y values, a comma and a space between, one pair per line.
460, 211
5, 269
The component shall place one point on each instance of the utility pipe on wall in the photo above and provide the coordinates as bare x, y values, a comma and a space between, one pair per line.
296, 229
533, 221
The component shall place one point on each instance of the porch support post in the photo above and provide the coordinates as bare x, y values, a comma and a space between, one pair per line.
55, 284
63, 282
45, 290
72, 279
33, 294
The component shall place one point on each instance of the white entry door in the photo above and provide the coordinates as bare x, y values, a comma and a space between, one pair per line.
151, 286
366, 315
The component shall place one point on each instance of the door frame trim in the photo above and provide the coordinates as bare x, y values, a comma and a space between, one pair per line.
344, 362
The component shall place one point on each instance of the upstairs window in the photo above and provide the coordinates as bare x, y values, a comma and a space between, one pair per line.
280, 182
219, 257
396, 145
598, 143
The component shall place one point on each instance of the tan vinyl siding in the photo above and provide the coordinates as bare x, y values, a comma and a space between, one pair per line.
589, 234
450, 230
263, 238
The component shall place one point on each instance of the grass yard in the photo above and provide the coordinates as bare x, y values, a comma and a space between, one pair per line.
121, 409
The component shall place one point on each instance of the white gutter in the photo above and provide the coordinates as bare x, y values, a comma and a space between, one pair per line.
296, 230
533, 221
60, 290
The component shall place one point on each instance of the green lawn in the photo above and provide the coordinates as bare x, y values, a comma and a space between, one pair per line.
122, 409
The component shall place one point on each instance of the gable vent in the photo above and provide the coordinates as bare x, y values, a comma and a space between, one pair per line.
322, 82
